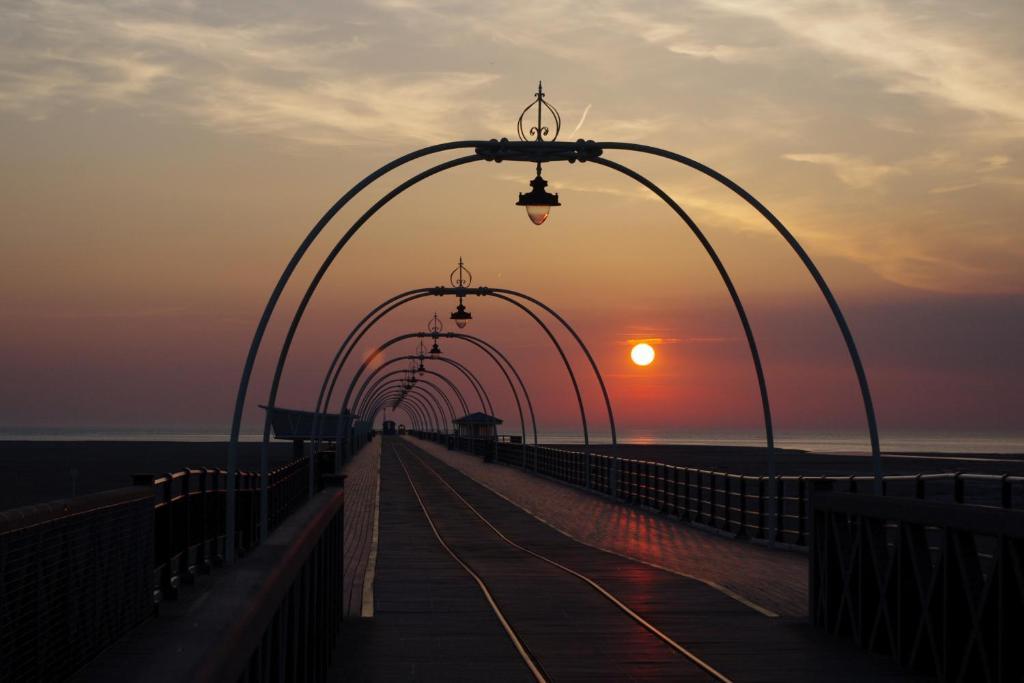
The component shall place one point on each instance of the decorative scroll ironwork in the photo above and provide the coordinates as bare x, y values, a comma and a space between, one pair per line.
435, 326
461, 277
539, 132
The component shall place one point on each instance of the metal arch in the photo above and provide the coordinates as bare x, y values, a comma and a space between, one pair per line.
362, 367
388, 385
395, 400
522, 385
407, 413
737, 303
593, 364
511, 385
451, 385
414, 407
381, 403
452, 335
387, 307
411, 409
382, 382
455, 389
357, 409
394, 340
474, 381
415, 294
568, 366
394, 303
420, 395
494, 354
321, 402
844, 328
437, 411
396, 406
430, 402
300, 310
268, 311
420, 400
495, 150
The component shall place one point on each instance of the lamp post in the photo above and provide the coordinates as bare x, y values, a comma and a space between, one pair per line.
538, 201
461, 278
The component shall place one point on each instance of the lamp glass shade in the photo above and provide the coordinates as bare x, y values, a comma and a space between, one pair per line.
538, 214
461, 323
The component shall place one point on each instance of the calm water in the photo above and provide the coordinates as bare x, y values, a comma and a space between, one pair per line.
836, 442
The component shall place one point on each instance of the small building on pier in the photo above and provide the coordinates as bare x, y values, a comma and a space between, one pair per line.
477, 426
389, 427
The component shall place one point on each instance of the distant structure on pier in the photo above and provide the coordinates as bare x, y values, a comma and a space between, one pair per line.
477, 426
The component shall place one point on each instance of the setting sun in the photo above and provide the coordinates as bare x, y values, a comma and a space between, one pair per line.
642, 354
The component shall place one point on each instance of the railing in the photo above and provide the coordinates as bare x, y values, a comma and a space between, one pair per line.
74, 576
734, 503
936, 586
284, 627
77, 574
189, 517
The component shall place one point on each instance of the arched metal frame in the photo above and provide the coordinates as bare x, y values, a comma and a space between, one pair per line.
496, 150
410, 412
462, 400
399, 405
472, 378
435, 403
381, 382
381, 403
377, 313
423, 402
495, 354
396, 399
357, 412
419, 335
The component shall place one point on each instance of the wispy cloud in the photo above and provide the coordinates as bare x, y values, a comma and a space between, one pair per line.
285, 79
670, 341
857, 172
908, 55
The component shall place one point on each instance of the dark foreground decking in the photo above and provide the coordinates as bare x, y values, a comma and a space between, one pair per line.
432, 621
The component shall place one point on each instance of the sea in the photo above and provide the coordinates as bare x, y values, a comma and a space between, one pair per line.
814, 441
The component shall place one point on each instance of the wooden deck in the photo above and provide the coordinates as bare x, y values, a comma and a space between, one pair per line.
433, 622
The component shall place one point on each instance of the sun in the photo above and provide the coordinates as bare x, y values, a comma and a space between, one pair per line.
642, 354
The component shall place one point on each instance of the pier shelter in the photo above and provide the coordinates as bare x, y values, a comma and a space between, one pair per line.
477, 426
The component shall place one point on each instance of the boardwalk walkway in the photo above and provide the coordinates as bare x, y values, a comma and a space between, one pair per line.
361, 484
774, 581
443, 537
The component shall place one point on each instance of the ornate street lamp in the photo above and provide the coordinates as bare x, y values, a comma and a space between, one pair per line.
435, 328
421, 352
538, 201
464, 278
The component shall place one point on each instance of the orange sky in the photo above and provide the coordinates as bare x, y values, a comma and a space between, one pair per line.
163, 161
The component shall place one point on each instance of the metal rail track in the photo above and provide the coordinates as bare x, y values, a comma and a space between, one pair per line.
529, 658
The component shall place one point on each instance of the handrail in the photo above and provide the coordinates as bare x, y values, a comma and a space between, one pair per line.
739, 504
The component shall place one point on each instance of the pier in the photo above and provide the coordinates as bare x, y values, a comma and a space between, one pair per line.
432, 560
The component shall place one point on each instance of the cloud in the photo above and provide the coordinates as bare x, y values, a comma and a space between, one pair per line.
856, 172
280, 78
669, 341
676, 37
909, 55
